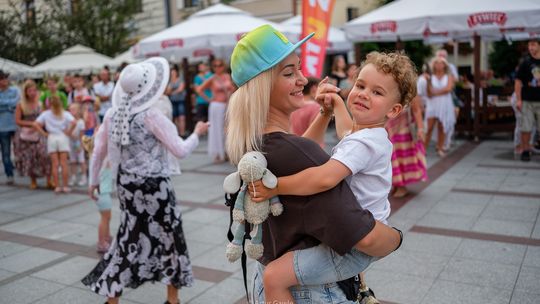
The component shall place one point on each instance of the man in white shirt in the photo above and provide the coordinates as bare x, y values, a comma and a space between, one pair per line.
104, 90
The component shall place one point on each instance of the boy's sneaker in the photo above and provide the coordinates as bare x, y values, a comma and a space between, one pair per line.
526, 156
83, 181
72, 180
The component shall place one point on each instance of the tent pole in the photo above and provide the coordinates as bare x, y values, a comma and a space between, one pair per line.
477, 46
189, 91
456, 49
357, 53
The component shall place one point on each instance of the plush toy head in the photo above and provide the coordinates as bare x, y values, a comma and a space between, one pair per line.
251, 167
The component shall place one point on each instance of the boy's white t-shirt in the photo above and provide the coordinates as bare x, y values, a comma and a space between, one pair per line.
368, 154
53, 124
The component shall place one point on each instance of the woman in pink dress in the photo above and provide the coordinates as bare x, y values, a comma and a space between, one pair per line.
222, 87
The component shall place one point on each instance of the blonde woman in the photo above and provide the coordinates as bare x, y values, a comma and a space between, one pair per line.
30, 148
440, 107
270, 82
59, 125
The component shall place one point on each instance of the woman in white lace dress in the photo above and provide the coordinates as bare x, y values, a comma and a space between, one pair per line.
439, 106
137, 138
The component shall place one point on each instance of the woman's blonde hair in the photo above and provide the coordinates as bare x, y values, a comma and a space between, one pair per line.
29, 83
247, 113
57, 107
441, 59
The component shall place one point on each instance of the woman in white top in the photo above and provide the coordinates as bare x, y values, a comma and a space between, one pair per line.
439, 106
59, 125
137, 139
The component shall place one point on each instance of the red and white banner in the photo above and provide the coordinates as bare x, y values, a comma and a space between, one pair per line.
316, 15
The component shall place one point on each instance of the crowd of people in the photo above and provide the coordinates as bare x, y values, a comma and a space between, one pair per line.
133, 129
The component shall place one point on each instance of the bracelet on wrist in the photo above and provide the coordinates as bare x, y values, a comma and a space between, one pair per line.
326, 113
400, 238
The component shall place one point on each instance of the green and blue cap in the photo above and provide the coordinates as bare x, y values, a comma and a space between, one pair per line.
260, 50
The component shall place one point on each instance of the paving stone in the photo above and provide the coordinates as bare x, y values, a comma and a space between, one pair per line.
156, 293
412, 263
6, 217
226, 292
67, 272
504, 253
504, 227
27, 225
4, 274
480, 273
519, 297
28, 259
58, 230
8, 248
459, 208
72, 295
215, 258
446, 292
529, 280
430, 244
208, 234
532, 257
458, 197
516, 202
441, 220
205, 216
397, 287
511, 213
27, 290
196, 249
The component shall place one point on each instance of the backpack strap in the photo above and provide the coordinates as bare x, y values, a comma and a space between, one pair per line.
229, 201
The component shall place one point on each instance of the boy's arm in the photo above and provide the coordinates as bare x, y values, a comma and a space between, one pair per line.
344, 121
307, 182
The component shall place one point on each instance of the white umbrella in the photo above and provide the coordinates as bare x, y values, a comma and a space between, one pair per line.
126, 56
337, 41
417, 19
15, 69
214, 30
77, 58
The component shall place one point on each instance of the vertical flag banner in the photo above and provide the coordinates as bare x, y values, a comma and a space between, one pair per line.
316, 15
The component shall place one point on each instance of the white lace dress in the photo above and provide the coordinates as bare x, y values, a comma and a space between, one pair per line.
150, 244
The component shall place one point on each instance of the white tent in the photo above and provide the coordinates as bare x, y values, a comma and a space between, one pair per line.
15, 69
214, 30
337, 41
418, 19
77, 58
126, 56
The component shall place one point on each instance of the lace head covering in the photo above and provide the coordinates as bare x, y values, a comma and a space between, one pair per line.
139, 87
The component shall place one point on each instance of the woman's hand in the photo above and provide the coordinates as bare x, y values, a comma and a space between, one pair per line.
259, 193
201, 128
92, 190
420, 135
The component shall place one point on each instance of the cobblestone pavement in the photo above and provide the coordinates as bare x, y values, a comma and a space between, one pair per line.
472, 235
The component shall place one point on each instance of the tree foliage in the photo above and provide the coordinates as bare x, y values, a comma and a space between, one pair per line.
103, 25
505, 57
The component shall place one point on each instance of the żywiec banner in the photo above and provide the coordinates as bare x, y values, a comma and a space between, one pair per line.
316, 15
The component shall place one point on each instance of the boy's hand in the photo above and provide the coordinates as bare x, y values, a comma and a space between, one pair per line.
326, 87
259, 193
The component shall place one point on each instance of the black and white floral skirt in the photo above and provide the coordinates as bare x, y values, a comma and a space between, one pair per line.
149, 245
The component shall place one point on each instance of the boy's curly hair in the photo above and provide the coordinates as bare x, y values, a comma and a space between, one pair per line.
400, 67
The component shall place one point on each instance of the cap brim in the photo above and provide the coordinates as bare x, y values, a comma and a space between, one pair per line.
279, 59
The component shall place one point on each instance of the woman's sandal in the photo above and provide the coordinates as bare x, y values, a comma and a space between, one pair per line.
167, 302
367, 296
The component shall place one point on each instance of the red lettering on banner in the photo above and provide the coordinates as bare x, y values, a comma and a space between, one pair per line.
172, 43
384, 26
498, 18
202, 52
154, 54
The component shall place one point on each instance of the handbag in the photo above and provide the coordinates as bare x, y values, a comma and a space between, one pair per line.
29, 134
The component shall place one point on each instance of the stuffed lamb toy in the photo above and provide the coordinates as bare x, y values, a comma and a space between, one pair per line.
252, 167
